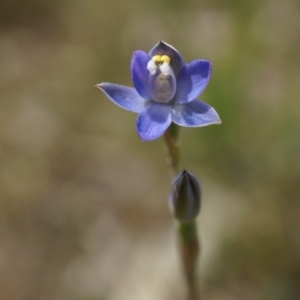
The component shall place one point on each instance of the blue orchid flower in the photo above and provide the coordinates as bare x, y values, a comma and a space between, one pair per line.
165, 91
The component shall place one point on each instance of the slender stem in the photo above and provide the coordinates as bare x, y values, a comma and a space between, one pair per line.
187, 232
172, 140
189, 248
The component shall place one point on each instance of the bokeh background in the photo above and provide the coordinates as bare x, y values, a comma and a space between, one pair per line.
83, 202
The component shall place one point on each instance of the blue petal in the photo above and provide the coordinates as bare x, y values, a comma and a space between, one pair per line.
162, 48
194, 114
124, 96
140, 73
153, 121
192, 80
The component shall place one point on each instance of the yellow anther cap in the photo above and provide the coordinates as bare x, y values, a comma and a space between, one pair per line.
156, 58
165, 58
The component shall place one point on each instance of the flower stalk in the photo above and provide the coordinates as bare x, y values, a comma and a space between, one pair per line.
189, 250
171, 136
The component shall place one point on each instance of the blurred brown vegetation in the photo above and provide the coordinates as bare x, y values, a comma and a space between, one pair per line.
83, 201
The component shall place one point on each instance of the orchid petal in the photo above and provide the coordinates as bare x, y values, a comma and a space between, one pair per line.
194, 114
124, 96
153, 121
140, 73
192, 80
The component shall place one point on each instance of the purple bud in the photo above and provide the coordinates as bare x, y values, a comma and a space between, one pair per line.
185, 197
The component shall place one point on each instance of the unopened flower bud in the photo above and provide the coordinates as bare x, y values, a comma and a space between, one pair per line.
185, 197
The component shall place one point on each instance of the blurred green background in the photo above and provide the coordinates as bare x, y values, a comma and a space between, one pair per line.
83, 202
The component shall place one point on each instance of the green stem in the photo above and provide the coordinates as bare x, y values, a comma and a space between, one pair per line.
189, 248
172, 140
187, 232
